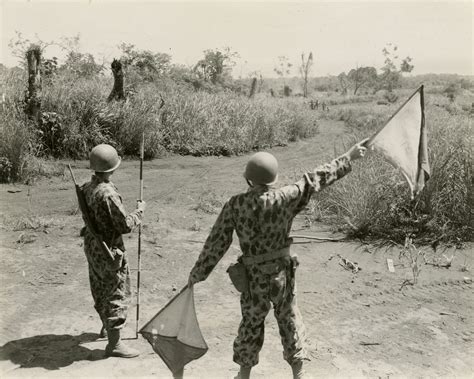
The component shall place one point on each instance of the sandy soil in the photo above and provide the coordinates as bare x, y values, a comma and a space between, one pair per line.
359, 324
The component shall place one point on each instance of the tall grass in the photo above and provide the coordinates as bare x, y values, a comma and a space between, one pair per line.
207, 124
19, 149
76, 116
374, 201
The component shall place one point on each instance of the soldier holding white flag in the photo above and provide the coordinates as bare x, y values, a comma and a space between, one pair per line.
265, 274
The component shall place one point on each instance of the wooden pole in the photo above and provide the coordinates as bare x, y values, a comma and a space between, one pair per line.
140, 233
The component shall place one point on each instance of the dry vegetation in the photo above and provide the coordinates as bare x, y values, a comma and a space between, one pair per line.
444, 211
222, 120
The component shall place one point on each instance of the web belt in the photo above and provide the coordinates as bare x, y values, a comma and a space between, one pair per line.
285, 252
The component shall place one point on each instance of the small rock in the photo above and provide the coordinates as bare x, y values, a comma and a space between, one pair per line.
467, 280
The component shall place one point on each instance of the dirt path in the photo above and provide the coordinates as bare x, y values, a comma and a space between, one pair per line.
359, 325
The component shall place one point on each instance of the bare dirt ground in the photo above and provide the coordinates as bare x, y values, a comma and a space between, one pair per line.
359, 324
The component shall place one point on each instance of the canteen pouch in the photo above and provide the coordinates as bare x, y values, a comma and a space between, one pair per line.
238, 276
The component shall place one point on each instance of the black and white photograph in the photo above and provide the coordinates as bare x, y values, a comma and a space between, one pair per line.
236, 189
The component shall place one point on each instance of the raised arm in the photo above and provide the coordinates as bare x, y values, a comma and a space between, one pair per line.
322, 176
327, 174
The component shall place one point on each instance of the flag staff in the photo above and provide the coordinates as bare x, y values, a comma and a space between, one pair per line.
139, 234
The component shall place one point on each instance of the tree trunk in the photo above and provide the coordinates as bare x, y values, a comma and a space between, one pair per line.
33, 96
117, 92
253, 87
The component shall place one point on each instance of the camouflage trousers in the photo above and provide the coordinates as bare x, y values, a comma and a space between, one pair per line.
275, 287
110, 288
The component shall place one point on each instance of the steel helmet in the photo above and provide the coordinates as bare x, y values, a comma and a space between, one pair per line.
104, 158
262, 168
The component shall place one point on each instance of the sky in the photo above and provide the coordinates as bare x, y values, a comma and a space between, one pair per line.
341, 34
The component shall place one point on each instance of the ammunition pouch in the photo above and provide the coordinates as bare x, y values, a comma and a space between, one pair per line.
117, 261
279, 272
278, 286
238, 276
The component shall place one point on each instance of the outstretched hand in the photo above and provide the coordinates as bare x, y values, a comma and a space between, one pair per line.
358, 150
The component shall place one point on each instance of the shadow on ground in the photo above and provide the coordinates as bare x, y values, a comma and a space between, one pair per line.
50, 351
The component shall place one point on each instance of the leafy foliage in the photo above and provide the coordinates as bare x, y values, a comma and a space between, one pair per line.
146, 64
362, 76
390, 77
216, 66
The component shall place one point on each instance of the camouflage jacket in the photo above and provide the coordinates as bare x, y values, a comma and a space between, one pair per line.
107, 212
262, 217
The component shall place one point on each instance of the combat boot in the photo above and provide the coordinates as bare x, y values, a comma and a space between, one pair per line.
297, 368
116, 348
244, 373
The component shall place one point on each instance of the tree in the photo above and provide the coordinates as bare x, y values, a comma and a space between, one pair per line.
253, 88
82, 64
390, 76
216, 66
283, 67
147, 64
362, 76
305, 69
343, 82
260, 81
20, 45
76, 62
50, 67
451, 91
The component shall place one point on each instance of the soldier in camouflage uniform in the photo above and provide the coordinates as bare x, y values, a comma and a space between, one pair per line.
109, 279
262, 218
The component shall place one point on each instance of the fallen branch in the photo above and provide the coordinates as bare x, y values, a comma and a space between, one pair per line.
439, 265
319, 238
406, 282
448, 314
